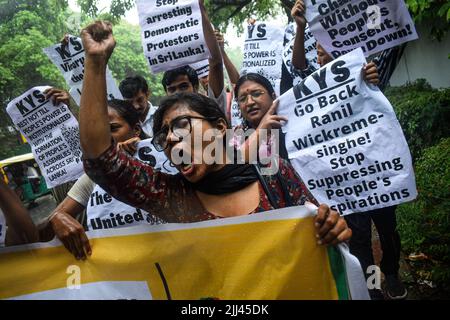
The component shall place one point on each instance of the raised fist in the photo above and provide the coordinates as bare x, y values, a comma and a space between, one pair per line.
298, 13
220, 40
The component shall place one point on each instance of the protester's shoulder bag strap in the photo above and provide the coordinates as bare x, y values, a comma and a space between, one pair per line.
265, 186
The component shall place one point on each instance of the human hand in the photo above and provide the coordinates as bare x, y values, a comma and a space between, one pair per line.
270, 119
72, 235
220, 40
57, 96
98, 41
331, 228
370, 73
65, 40
298, 13
129, 146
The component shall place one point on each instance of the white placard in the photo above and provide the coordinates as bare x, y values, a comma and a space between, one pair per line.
52, 132
345, 141
310, 50
105, 212
202, 68
172, 33
263, 52
373, 25
70, 61
236, 115
147, 153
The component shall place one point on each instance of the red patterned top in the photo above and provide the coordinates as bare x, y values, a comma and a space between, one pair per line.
169, 196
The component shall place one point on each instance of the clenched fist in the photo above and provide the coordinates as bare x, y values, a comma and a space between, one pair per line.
98, 41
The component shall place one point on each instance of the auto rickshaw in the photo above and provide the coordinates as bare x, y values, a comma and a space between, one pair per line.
11, 170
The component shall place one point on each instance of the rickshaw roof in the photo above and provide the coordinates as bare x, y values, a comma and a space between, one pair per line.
16, 159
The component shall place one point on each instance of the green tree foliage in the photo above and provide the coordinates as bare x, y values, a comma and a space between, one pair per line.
424, 224
423, 113
25, 28
435, 14
225, 12
432, 13
117, 9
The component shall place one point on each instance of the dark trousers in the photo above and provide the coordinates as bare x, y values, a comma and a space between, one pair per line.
361, 241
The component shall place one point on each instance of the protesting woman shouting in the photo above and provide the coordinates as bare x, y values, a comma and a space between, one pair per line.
204, 189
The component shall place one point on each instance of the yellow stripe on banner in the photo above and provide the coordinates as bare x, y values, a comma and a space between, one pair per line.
259, 260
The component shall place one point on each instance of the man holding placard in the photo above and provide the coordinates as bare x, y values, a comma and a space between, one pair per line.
185, 78
135, 89
176, 34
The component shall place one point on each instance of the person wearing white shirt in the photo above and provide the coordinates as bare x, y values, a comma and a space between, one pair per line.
185, 79
135, 89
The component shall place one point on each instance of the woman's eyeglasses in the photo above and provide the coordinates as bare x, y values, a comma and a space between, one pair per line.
254, 94
181, 127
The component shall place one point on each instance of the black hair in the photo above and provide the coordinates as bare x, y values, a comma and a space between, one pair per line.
201, 104
126, 110
255, 77
171, 75
131, 86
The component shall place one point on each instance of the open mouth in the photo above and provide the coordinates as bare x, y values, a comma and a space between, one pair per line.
185, 167
252, 111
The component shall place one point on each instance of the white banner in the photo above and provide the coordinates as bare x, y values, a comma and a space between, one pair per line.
190, 261
263, 52
345, 141
236, 116
310, 50
70, 61
52, 132
147, 153
172, 33
101, 290
373, 25
105, 212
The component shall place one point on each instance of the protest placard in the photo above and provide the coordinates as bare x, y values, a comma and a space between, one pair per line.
146, 152
172, 33
105, 212
263, 52
310, 50
70, 61
52, 132
373, 25
345, 141
216, 259
235, 112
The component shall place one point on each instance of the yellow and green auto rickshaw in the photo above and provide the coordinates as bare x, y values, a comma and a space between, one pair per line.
12, 172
